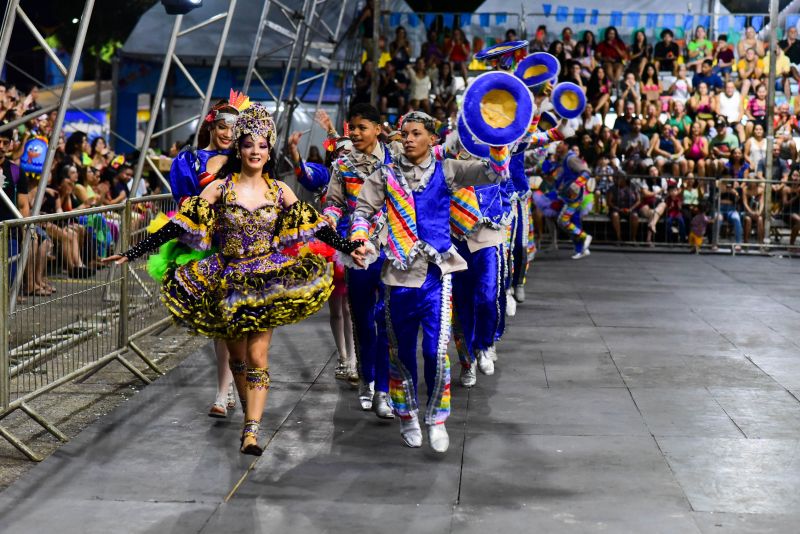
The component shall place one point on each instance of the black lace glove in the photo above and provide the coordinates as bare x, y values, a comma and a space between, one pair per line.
331, 237
166, 233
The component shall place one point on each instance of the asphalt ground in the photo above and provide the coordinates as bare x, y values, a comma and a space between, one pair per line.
633, 393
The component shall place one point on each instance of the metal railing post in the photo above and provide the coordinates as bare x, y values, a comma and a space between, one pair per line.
223, 39
156, 104
251, 64
124, 244
5, 323
769, 174
66, 95
9, 18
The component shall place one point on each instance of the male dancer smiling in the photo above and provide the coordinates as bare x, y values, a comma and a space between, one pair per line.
364, 286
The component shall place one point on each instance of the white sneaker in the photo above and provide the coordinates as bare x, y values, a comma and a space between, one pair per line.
365, 394
468, 376
519, 293
511, 304
586, 244
492, 352
438, 438
485, 363
380, 405
411, 432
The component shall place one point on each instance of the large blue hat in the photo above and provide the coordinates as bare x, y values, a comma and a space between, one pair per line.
547, 121
499, 50
538, 68
568, 100
497, 108
470, 144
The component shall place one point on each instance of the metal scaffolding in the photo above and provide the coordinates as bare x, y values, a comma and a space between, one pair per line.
170, 59
14, 10
311, 41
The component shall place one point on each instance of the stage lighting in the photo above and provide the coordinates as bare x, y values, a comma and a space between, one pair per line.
180, 7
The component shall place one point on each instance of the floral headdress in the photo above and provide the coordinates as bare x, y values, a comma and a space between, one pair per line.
255, 120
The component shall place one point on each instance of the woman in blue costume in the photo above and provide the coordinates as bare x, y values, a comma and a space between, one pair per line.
314, 177
248, 288
189, 174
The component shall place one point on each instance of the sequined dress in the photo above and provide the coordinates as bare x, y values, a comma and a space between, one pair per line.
249, 285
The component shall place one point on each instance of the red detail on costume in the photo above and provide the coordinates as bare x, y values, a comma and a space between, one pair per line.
205, 178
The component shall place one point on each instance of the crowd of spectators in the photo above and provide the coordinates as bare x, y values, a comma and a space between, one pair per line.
659, 112
85, 174
689, 132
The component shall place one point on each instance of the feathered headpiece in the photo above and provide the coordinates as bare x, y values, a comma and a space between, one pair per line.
255, 120
228, 111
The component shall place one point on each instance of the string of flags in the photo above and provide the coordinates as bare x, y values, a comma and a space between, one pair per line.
593, 17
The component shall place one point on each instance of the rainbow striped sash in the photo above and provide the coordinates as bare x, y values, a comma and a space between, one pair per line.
465, 211
401, 218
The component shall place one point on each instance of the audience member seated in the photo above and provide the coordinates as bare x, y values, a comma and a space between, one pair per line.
639, 53
749, 68
635, 146
612, 54
680, 122
721, 145
698, 50
703, 107
598, 92
695, 148
751, 40
730, 108
666, 52
681, 88
624, 121
622, 202
630, 93
706, 75
724, 58
666, 150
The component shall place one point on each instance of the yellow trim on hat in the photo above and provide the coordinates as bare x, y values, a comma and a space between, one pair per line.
535, 70
569, 100
498, 108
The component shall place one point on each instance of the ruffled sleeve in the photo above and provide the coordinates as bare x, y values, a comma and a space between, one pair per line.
299, 222
197, 218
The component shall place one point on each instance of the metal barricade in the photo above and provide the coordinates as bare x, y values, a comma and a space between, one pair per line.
736, 210
72, 315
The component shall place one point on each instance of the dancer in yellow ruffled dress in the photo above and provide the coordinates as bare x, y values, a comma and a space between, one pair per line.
249, 287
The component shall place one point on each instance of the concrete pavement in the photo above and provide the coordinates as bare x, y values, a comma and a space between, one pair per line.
634, 393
